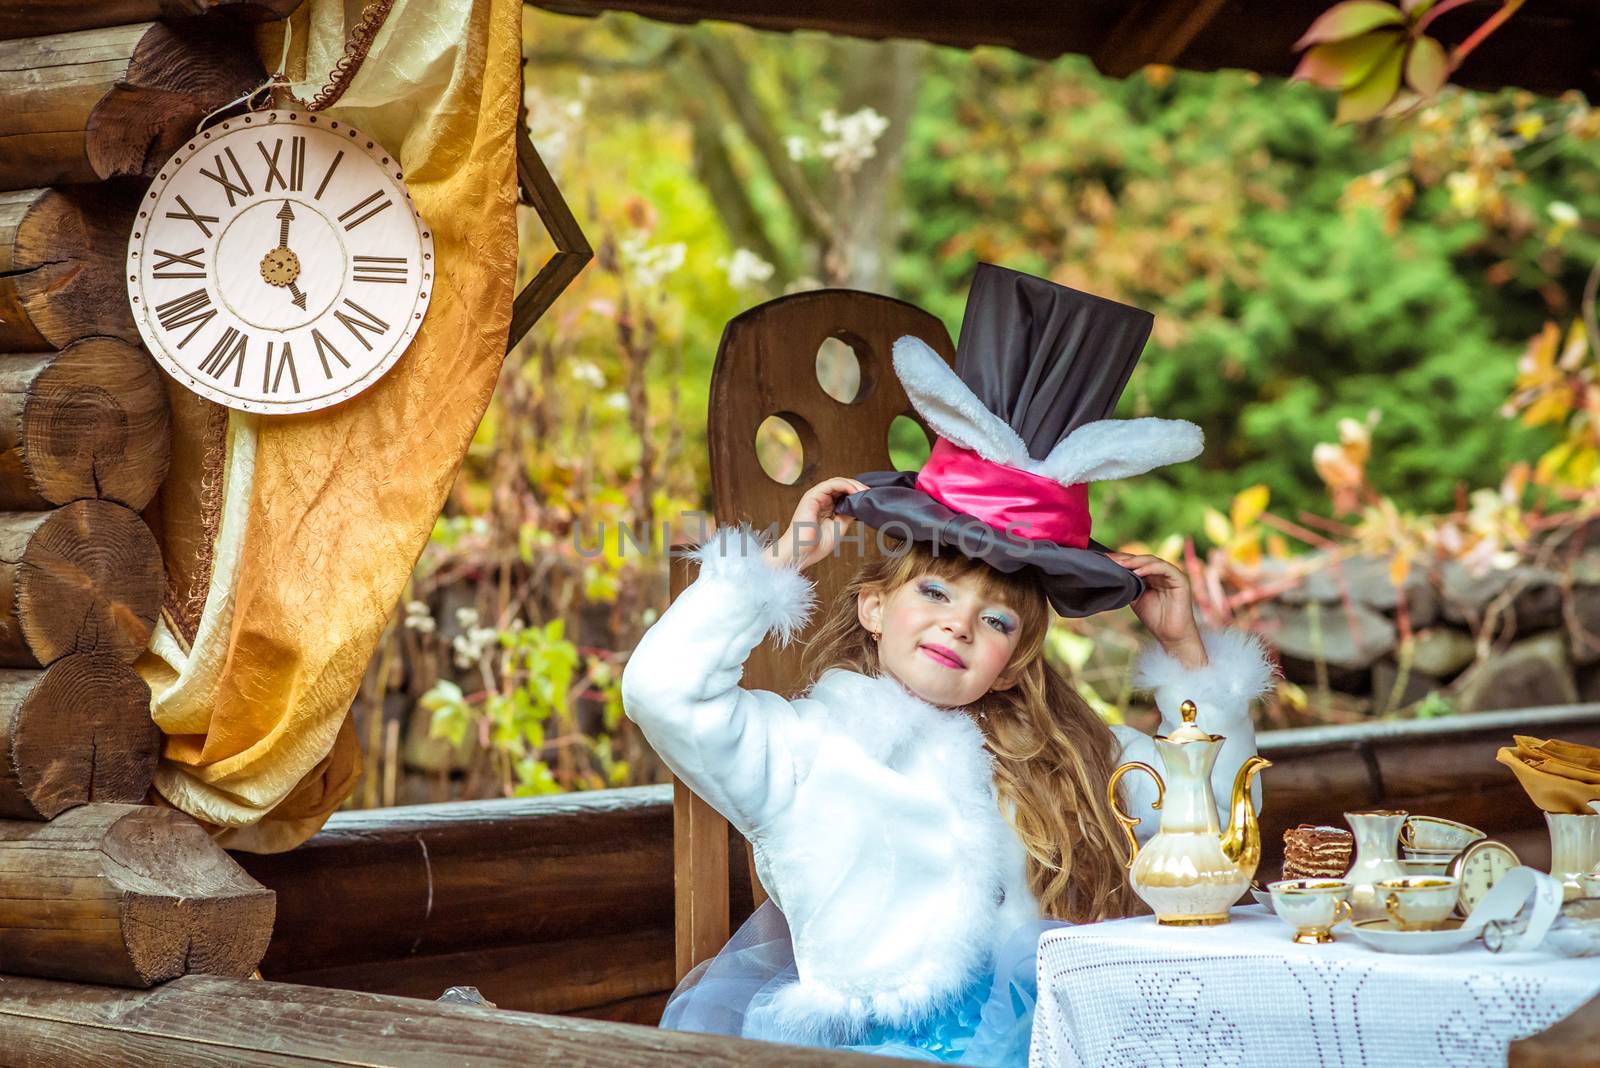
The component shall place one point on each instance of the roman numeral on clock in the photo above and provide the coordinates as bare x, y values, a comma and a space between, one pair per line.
173, 259
328, 174
189, 213
362, 320
221, 177
271, 384
297, 164
194, 307
352, 223
230, 345
380, 269
324, 347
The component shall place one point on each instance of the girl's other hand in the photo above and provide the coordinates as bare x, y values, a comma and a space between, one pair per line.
1166, 607
815, 529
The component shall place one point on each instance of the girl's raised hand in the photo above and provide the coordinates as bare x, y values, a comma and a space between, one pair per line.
815, 530
1166, 607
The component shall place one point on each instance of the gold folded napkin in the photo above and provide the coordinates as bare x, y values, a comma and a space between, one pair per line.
1559, 776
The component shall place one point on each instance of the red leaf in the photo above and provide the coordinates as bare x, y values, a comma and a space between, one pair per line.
1348, 19
1345, 64
1427, 66
1373, 95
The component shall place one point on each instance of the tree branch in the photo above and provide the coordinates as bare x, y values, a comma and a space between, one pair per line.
727, 72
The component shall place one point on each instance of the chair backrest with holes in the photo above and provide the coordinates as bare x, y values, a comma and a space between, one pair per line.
767, 366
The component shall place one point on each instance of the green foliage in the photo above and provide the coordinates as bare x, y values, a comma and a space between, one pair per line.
1222, 202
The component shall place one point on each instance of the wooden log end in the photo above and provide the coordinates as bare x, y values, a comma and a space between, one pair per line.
126, 895
95, 424
89, 581
178, 73
67, 250
76, 732
187, 906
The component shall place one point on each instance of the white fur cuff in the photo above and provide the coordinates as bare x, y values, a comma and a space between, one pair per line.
1239, 671
783, 596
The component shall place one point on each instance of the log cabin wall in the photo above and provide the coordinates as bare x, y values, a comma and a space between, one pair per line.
94, 884
564, 904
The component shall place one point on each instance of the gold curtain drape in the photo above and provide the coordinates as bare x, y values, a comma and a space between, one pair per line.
289, 539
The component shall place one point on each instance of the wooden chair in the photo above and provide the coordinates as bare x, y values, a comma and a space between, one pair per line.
765, 366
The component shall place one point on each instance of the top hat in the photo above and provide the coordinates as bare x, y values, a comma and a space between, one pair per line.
1022, 426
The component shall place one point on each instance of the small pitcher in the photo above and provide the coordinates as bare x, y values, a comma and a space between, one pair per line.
1574, 849
1377, 833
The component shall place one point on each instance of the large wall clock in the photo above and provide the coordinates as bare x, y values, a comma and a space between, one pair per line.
277, 263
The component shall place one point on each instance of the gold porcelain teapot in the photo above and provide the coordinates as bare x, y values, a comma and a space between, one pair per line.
1192, 872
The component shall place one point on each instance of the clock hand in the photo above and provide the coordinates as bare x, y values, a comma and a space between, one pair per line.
299, 297
285, 217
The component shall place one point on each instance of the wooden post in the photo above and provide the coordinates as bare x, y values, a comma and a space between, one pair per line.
84, 578
35, 18
89, 421
61, 266
78, 731
104, 103
128, 895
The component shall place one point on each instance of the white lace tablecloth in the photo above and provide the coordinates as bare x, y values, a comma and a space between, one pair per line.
1130, 993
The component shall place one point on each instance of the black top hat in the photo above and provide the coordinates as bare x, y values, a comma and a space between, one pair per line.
1022, 426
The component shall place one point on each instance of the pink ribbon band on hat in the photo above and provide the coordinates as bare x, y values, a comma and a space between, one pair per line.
1008, 499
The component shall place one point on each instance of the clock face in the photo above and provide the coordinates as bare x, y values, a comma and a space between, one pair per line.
277, 263
1479, 867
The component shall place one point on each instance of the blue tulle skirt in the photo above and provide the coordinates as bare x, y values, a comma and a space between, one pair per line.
990, 1025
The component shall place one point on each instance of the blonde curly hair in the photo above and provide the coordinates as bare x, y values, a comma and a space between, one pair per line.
1052, 754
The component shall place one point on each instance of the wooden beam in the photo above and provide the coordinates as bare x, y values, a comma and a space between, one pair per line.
83, 578
1153, 31
61, 265
203, 1021
128, 895
1547, 47
97, 104
36, 18
78, 731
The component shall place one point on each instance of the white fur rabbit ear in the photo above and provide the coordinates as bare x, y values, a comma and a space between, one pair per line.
1119, 448
949, 407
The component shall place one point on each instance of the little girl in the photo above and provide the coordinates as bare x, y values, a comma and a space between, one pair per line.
938, 795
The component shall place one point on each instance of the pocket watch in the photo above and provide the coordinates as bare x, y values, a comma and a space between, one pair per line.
1478, 867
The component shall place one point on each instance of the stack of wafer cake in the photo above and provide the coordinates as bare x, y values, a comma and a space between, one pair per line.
1316, 852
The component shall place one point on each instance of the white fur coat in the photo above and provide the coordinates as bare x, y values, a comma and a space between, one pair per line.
873, 814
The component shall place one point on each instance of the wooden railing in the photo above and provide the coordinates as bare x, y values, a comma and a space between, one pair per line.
564, 904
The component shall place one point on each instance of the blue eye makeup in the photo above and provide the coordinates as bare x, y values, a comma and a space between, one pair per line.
1000, 621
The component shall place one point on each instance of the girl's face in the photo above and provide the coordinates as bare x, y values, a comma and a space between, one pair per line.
942, 639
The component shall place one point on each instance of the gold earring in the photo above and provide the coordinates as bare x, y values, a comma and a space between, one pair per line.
876, 635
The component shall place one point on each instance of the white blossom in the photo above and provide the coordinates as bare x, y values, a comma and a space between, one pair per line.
466, 617
418, 618
651, 264
797, 147
469, 648
617, 402
588, 373
851, 139
745, 268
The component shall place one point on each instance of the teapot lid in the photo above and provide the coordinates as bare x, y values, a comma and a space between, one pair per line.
1190, 731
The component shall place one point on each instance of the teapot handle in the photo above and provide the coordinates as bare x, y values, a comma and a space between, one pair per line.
1130, 822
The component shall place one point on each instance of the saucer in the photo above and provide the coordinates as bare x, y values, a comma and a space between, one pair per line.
1263, 897
1383, 936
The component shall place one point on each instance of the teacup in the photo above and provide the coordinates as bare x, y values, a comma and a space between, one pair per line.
1590, 884
1431, 834
1419, 866
1313, 907
1418, 903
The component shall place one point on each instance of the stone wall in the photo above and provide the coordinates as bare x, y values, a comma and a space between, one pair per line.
1518, 637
